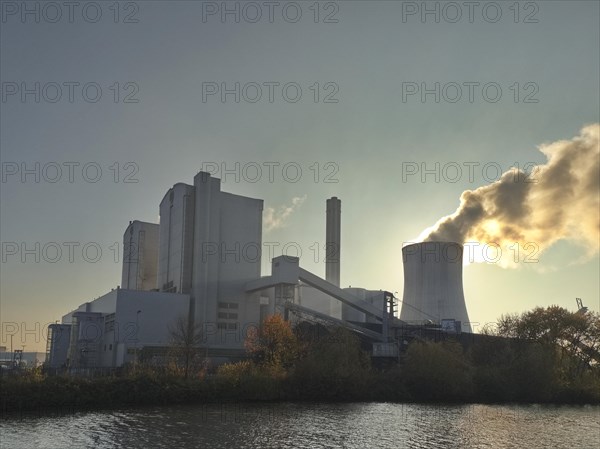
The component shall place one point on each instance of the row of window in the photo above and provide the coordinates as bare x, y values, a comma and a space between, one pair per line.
228, 316
228, 305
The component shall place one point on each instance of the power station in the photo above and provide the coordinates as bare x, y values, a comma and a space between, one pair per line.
202, 263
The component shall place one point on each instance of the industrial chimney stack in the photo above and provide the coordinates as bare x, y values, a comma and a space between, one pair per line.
333, 241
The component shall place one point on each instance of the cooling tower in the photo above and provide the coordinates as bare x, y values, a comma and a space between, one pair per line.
433, 288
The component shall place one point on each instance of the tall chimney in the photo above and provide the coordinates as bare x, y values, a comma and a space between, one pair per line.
333, 241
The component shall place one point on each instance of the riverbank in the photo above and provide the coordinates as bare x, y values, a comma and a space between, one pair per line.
41, 395
308, 364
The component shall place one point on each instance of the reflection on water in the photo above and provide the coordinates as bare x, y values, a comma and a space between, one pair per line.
293, 425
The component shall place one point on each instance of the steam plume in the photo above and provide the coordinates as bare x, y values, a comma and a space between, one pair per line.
278, 218
557, 200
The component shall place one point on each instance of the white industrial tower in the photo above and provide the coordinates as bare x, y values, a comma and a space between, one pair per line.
433, 289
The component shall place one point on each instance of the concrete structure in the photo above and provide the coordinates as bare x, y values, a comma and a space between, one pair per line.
140, 256
333, 241
107, 331
433, 289
285, 279
210, 247
57, 345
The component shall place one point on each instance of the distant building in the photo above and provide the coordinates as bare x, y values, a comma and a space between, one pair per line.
21, 359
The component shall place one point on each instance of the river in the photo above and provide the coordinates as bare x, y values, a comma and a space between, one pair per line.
311, 426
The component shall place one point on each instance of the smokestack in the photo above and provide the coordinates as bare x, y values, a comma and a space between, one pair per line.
433, 288
333, 241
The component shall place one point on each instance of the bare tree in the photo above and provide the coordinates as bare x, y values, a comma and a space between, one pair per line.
186, 338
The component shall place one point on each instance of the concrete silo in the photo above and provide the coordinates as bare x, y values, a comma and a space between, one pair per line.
433, 288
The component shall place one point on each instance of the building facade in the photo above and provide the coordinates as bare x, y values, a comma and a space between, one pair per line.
109, 331
210, 247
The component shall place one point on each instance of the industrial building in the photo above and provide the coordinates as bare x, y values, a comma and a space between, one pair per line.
210, 247
110, 330
202, 262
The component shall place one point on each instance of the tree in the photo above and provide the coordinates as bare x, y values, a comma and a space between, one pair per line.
273, 344
556, 353
576, 334
437, 371
493, 358
186, 337
335, 367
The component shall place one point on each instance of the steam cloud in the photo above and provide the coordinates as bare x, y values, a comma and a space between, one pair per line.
557, 200
277, 218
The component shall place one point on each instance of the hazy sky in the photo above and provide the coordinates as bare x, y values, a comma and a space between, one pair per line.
369, 56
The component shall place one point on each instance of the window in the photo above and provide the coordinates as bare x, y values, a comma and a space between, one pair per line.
110, 347
221, 325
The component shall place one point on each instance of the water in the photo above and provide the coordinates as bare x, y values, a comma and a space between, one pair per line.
311, 426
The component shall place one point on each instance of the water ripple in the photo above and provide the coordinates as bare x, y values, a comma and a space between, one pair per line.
313, 426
